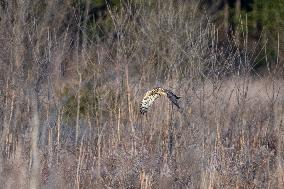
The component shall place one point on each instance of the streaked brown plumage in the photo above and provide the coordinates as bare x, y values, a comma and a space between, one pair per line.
155, 93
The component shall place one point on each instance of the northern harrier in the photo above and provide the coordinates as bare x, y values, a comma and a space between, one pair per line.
152, 95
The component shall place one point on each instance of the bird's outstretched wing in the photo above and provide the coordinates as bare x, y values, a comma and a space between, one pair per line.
147, 102
152, 95
173, 98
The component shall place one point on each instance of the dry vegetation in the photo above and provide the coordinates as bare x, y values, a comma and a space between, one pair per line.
69, 105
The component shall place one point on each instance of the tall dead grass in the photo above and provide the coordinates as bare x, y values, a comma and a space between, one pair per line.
85, 129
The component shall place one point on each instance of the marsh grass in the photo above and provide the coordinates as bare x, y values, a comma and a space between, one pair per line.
70, 116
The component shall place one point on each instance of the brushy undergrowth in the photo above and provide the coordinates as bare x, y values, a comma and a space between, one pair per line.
69, 106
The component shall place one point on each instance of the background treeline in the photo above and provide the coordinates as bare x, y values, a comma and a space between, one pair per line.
258, 21
73, 73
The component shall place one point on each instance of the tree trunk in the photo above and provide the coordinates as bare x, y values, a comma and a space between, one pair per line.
237, 17
226, 17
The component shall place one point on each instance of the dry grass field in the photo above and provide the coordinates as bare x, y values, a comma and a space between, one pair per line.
69, 105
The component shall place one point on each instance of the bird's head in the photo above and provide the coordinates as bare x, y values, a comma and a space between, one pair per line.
160, 91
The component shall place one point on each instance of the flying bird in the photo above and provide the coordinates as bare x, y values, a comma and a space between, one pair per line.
155, 93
